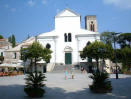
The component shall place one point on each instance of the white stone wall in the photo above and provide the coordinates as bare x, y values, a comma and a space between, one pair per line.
50, 41
61, 45
67, 23
67, 20
58, 46
4, 49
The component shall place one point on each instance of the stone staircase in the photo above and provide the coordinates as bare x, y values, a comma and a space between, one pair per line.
61, 69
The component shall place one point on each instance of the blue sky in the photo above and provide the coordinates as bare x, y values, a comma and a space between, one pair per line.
23, 17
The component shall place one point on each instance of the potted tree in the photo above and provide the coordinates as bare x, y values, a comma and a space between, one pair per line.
34, 80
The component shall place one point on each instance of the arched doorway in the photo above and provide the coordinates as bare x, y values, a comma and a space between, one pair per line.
68, 55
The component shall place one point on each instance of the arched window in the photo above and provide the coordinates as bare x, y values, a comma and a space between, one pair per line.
92, 26
69, 37
48, 46
88, 43
65, 37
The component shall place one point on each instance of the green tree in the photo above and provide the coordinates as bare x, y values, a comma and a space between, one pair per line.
34, 81
97, 50
107, 37
124, 56
13, 41
36, 52
9, 39
1, 37
124, 40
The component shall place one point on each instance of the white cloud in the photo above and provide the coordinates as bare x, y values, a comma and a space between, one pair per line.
119, 3
31, 3
44, 1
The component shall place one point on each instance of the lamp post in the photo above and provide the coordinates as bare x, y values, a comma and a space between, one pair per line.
114, 39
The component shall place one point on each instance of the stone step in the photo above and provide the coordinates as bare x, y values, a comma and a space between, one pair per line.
62, 68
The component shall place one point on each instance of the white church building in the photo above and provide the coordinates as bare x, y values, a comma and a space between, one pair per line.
68, 38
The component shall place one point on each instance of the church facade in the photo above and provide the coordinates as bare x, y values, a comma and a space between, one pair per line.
68, 38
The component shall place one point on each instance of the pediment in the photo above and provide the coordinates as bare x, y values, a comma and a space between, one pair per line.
67, 13
68, 49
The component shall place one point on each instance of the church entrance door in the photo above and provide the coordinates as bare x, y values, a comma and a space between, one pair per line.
68, 58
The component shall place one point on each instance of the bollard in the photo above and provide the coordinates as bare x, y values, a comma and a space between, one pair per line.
72, 76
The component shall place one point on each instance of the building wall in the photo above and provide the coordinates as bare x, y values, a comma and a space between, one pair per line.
61, 45
68, 22
4, 45
10, 57
10, 53
58, 46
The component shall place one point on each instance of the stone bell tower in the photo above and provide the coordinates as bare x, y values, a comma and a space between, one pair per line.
91, 23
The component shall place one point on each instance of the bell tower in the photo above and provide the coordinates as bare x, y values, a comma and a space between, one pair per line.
91, 23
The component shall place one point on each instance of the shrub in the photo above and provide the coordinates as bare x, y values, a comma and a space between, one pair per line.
101, 83
34, 84
125, 70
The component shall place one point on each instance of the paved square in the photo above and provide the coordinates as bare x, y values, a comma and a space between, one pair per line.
59, 88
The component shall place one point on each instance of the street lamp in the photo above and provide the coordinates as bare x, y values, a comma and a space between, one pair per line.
114, 39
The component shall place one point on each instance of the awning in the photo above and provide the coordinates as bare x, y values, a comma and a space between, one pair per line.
10, 65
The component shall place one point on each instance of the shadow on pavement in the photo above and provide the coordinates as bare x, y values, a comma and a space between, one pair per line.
121, 90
